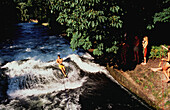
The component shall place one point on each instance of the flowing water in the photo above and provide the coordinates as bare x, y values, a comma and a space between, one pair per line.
34, 80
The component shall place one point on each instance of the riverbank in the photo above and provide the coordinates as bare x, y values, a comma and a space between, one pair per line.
139, 79
144, 83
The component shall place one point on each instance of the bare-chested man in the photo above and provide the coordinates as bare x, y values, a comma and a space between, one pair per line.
61, 66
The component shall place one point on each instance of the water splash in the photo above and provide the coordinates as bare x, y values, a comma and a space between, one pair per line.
36, 82
34, 78
30, 77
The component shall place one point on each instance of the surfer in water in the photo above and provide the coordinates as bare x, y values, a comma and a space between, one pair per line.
61, 66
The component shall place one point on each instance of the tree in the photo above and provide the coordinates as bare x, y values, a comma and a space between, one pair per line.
91, 23
33, 9
23, 11
162, 16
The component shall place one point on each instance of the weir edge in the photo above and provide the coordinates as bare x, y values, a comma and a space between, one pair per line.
126, 81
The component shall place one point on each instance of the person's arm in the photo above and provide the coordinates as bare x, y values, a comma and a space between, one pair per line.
164, 47
137, 43
61, 60
145, 44
57, 61
168, 56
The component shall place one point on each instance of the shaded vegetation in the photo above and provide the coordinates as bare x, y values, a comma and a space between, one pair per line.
7, 18
95, 24
158, 52
32, 9
91, 23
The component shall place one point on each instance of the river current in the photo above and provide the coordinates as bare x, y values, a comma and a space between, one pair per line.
35, 81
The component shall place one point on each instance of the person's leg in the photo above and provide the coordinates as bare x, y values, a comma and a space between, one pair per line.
63, 72
167, 77
125, 58
134, 56
145, 60
137, 54
168, 73
64, 69
156, 69
122, 61
165, 68
145, 52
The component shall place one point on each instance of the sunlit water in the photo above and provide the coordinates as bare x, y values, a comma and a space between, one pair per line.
35, 81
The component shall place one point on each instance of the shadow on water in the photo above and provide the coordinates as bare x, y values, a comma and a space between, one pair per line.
103, 94
3, 86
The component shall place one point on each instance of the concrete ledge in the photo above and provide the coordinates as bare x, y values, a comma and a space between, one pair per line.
124, 79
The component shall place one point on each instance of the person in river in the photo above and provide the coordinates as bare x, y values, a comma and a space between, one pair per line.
136, 49
166, 67
144, 44
61, 66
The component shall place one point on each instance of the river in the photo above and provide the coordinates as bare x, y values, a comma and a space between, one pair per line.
35, 81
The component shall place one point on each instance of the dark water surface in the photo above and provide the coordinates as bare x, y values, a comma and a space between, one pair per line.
35, 81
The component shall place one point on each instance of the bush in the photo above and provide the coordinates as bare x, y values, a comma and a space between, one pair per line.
158, 52
92, 24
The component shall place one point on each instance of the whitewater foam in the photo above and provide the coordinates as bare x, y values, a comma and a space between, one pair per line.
28, 50
32, 77
88, 66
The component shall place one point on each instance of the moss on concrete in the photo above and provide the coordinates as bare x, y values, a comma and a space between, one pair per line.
146, 84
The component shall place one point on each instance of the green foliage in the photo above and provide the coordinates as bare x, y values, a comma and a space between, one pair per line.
91, 23
167, 103
145, 87
157, 52
32, 9
23, 10
163, 16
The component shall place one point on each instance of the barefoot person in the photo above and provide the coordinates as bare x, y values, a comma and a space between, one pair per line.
144, 44
61, 66
166, 66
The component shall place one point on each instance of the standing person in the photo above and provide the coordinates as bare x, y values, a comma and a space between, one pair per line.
166, 66
61, 66
144, 44
124, 49
136, 49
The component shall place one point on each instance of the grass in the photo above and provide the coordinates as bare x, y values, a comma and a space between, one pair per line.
167, 103
145, 87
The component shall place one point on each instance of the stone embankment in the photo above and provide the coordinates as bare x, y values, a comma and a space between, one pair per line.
146, 84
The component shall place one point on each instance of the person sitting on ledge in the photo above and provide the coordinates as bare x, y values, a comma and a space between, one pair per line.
166, 66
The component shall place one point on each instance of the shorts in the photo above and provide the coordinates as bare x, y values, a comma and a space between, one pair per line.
61, 66
136, 49
144, 52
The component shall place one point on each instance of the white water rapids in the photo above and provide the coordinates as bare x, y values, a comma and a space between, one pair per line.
35, 82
